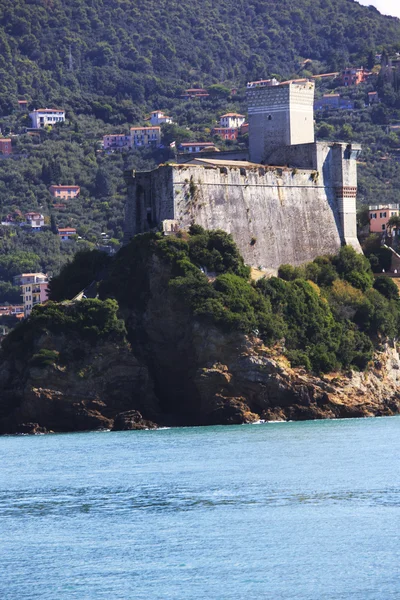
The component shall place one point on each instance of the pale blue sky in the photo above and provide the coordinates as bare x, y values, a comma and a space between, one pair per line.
386, 7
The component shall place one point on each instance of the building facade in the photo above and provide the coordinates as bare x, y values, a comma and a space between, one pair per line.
145, 136
117, 141
34, 220
157, 117
46, 116
353, 76
191, 147
231, 120
65, 191
379, 215
5, 146
66, 233
226, 133
34, 288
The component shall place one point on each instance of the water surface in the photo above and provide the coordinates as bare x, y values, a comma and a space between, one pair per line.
307, 511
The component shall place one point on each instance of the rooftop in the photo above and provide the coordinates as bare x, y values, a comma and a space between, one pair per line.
49, 110
232, 115
142, 128
67, 187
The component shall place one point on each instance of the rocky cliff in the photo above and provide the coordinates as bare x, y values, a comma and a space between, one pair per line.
83, 365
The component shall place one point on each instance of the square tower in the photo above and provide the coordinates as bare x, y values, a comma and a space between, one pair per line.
279, 115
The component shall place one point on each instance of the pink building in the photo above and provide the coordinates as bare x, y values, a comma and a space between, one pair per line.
379, 215
117, 141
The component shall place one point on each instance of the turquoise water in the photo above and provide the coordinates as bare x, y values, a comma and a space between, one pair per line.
275, 511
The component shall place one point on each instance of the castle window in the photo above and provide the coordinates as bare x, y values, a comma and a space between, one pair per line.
382, 215
261, 172
243, 171
223, 171
383, 227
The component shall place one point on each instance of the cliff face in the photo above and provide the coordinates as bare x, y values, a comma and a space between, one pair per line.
94, 387
177, 370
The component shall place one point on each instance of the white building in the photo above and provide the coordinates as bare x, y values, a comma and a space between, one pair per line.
157, 117
46, 116
232, 120
34, 220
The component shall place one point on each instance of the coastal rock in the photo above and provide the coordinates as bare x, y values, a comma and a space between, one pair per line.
131, 420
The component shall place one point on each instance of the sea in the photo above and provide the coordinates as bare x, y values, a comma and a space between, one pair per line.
305, 511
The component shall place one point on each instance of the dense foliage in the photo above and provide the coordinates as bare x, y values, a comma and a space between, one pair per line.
88, 320
326, 315
110, 55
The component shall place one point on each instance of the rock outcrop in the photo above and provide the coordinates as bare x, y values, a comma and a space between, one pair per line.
173, 369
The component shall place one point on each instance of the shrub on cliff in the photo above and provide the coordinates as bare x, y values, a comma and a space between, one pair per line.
88, 320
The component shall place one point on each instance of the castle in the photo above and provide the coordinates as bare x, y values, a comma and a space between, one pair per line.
293, 200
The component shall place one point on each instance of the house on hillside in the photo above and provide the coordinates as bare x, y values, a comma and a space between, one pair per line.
5, 146
194, 93
66, 233
231, 120
34, 288
226, 133
46, 116
65, 192
117, 141
373, 98
145, 136
354, 76
34, 220
333, 101
189, 147
157, 117
379, 215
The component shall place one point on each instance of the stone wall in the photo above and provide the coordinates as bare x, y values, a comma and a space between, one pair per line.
276, 215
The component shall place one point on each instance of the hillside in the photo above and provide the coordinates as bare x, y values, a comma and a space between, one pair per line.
93, 56
109, 62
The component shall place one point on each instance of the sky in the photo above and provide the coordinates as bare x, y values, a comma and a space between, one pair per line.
386, 7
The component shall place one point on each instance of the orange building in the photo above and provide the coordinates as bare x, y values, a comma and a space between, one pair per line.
64, 191
379, 215
352, 76
226, 133
5, 146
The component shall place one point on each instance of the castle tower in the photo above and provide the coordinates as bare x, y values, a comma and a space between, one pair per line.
279, 116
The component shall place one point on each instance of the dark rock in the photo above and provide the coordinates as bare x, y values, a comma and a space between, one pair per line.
131, 420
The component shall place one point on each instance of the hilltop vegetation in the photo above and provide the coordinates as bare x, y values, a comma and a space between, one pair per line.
111, 55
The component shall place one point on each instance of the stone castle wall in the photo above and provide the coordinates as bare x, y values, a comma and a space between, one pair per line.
276, 215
